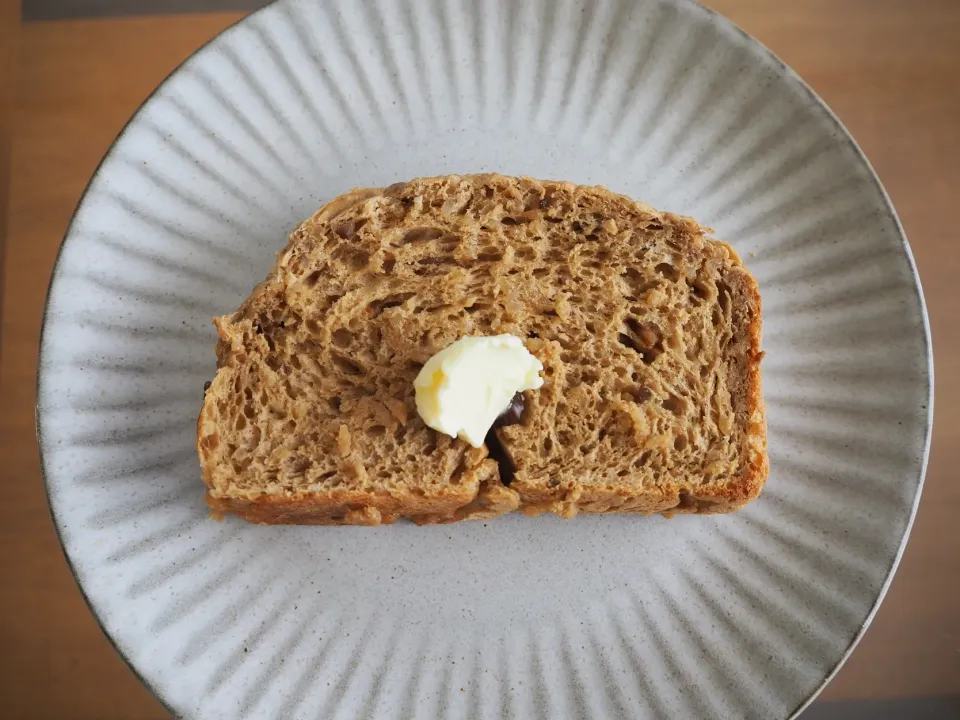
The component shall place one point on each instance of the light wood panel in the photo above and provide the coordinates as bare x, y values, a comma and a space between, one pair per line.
890, 70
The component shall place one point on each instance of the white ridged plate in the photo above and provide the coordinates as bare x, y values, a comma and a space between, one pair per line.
740, 616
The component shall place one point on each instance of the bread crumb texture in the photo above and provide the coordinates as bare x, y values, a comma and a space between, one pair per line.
648, 330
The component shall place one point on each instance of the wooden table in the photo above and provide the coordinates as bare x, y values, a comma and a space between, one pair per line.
889, 68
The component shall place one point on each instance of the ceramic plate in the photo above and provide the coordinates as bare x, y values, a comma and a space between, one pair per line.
743, 616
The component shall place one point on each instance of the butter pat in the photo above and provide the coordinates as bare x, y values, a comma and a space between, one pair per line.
464, 387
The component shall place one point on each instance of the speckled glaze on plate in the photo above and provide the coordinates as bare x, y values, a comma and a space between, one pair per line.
743, 616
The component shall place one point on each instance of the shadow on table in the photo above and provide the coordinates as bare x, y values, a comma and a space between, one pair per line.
73, 9
912, 709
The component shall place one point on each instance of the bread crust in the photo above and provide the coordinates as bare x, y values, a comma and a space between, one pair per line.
478, 492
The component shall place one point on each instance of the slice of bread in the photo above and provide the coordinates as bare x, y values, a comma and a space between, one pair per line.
649, 333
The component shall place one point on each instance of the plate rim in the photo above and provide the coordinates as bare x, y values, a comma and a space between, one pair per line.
785, 73
791, 75
54, 276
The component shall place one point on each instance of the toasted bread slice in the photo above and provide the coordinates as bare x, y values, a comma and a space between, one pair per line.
648, 330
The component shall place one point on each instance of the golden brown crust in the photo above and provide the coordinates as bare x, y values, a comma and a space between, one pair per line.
544, 482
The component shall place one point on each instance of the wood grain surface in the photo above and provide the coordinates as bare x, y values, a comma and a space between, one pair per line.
889, 69
9, 70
